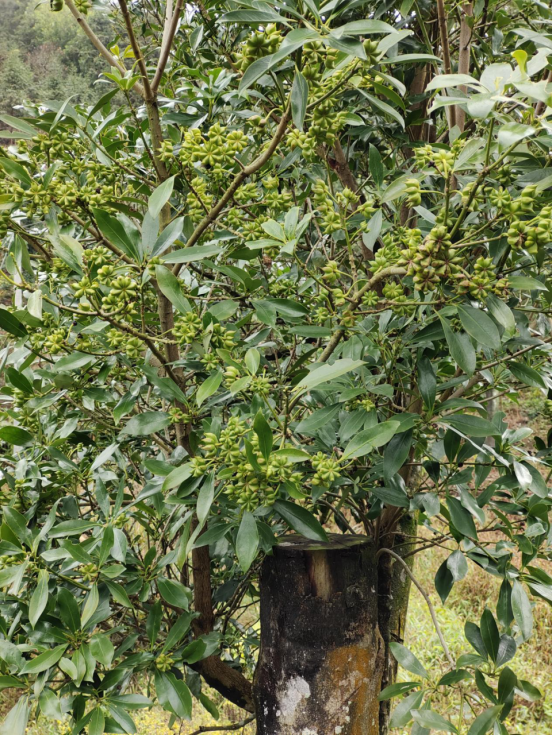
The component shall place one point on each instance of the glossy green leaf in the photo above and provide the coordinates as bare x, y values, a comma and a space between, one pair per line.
247, 541
301, 520
407, 660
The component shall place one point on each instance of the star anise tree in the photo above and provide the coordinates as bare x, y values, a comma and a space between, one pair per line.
273, 280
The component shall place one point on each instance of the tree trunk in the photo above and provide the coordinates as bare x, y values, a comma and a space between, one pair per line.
321, 660
394, 594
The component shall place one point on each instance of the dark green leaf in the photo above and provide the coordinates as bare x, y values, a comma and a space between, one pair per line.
473, 635
174, 592
39, 598
427, 382
403, 711
407, 660
527, 375
484, 721
171, 288
471, 425
461, 349
480, 326
116, 233
15, 436
462, 519
68, 610
247, 541
264, 434
396, 453
43, 661
300, 520
521, 607
489, 634
299, 98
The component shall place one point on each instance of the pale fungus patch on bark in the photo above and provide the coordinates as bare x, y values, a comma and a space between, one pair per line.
294, 691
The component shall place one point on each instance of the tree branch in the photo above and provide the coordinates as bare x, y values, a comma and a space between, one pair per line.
427, 599
148, 94
226, 727
107, 55
240, 177
464, 52
171, 24
338, 334
442, 16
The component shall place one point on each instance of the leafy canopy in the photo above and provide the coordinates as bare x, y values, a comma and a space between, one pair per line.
271, 290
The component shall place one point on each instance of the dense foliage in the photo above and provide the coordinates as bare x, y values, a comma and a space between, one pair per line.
276, 289
43, 58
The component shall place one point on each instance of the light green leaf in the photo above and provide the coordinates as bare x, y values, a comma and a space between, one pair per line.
511, 133
526, 283
16, 720
253, 17
325, 373
44, 661
503, 314
205, 498
299, 98
176, 477
384, 107
102, 649
363, 28
208, 387
90, 605
294, 40
39, 598
432, 721
193, 254
147, 423
443, 81
370, 438
160, 196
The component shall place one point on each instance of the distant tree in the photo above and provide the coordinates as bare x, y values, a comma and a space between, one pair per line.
42, 58
269, 291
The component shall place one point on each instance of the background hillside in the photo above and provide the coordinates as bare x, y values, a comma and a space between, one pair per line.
42, 58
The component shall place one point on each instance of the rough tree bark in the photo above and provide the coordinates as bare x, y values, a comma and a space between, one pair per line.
321, 660
394, 594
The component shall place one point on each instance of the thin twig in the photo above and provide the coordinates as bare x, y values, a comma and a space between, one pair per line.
169, 33
427, 599
226, 727
108, 56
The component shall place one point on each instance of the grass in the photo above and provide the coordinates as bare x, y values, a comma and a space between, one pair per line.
533, 661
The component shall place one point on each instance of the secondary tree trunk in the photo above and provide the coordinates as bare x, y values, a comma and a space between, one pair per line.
322, 655
394, 593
